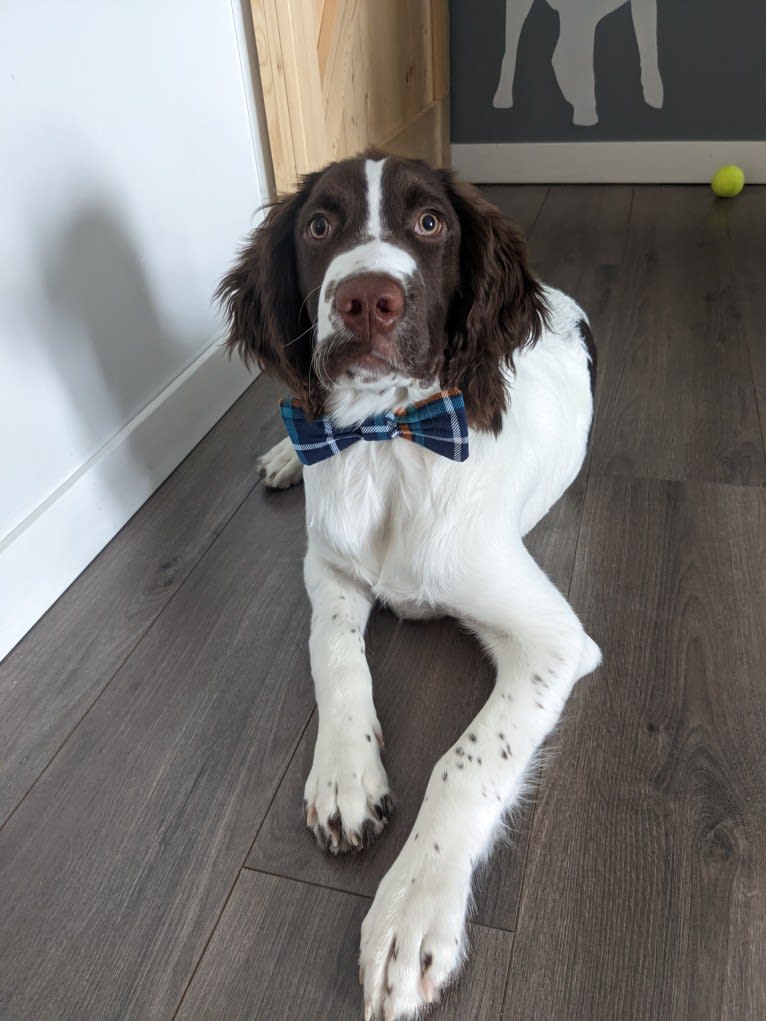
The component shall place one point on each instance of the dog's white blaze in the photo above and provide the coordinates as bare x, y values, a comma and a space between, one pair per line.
371, 257
374, 171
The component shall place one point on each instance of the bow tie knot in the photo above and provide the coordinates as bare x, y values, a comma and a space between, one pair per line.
437, 423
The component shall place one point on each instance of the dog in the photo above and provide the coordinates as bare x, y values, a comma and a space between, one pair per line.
442, 399
573, 57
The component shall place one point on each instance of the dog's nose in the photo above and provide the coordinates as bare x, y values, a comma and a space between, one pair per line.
369, 303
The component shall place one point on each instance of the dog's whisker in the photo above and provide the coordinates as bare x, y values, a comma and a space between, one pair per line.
303, 303
308, 329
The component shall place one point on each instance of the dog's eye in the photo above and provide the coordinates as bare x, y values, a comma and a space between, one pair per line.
428, 225
319, 227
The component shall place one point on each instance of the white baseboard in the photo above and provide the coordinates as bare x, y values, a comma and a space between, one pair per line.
606, 162
43, 555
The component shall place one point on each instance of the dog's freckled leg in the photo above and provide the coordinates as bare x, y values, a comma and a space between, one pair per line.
465, 803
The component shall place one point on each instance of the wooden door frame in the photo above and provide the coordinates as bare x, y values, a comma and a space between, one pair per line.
291, 81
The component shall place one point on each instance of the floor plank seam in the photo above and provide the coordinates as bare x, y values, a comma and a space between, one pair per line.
756, 401
307, 882
239, 871
150, 626
281, 781
627, 226
355, 893
533, 224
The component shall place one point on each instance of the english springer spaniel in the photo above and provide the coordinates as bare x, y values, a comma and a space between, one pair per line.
441, 401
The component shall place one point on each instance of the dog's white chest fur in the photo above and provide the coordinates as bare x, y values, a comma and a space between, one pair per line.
407, 523
383, 513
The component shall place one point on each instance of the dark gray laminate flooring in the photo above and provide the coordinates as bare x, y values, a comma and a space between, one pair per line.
156, 726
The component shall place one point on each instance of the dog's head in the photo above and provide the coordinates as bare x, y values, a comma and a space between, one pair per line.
381, 272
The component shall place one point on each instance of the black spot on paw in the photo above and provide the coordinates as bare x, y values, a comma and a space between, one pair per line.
323, 838
385, 807
367, 834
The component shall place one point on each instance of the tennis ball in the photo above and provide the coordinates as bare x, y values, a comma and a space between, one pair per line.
728, 182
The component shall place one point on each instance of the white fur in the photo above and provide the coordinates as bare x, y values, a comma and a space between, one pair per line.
374, 256
394, 523
373, 170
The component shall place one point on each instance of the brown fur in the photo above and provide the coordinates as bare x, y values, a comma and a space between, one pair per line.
498, 309
266, 317
474, 303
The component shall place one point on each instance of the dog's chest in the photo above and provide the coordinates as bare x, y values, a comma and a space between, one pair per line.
382, 512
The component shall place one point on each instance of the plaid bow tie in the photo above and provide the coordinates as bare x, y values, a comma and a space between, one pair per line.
437, 423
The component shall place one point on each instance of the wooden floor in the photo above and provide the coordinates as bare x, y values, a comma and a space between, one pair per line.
156, 726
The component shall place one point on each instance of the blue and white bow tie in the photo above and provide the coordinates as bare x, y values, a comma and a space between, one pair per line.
437, 423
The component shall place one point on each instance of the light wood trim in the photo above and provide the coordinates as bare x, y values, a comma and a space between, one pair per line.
424, 136
337, 63
274, 94
295, 20
440, 44
328, 95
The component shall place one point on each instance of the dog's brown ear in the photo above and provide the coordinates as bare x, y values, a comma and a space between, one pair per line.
265, 317
499, 307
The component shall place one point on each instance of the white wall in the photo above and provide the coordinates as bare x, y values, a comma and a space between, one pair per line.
129, 169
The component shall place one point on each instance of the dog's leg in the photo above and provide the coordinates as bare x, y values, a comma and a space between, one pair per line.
644, 14
573, 65
414, 934
280, 467
347, 796
516, 12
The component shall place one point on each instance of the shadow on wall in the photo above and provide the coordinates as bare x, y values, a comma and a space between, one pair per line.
114, 351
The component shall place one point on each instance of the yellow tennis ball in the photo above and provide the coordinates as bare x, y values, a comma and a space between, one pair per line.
728, 182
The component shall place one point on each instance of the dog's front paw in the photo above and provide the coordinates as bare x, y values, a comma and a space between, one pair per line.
280, 467
413, 938
347, 797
